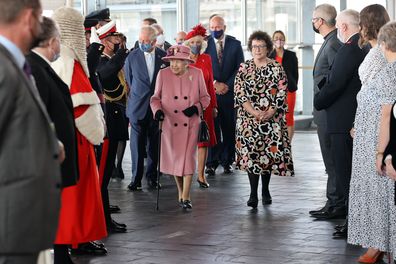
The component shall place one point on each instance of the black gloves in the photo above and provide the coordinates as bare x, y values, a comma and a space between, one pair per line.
159, 115
190, 111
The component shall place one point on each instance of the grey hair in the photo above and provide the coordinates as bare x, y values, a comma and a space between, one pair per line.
157, 28
11, 9
328, 13
151, 30
387, 35
350, 17
49, 30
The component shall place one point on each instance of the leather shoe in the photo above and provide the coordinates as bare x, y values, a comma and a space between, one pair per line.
342, 233
339, 227
118, 224
228, 169
203, 184
114, 209
313, 212
187, 204
252, 202
89, 249
135, 186
113, 228
98, 243
210, 171
118, 173
334, 214
153, 184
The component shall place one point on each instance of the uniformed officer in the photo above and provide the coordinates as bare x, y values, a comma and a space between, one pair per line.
115, 92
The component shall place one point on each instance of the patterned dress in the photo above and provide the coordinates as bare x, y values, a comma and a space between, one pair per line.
262, 147
372, 213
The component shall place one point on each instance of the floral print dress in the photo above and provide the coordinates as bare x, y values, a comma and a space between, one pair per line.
262, 147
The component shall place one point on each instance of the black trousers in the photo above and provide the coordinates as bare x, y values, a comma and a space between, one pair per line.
325, 148
341, 150
19, 259
224, 151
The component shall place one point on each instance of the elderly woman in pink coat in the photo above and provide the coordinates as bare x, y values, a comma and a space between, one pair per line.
180, 96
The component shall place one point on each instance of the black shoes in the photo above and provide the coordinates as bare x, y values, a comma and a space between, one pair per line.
115, 227
135, 186
314, 212
252, 202
331, 214
203, 184
153, 184
228, 169
114, 209
90, 248
118, 173
267, 200
341, 233
186, 204
210, 171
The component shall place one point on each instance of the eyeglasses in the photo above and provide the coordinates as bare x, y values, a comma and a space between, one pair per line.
256, 47
315, 19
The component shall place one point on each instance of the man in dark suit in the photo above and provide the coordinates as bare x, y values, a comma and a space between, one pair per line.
323, 22
29, 150
161, 42
227, 54
141, 69
337, 96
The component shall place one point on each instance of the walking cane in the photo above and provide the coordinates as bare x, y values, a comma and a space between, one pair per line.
159, 161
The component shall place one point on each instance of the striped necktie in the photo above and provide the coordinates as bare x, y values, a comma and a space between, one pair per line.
220, 51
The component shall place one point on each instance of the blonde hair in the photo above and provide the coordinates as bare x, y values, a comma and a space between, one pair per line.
203, 46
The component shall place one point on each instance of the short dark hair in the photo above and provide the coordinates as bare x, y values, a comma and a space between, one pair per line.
263, 36
49, 30
150, 20
11, 9
372, 18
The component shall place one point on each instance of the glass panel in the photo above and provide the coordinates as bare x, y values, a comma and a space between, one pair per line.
129, 14
359, 5
271, 15
229, 9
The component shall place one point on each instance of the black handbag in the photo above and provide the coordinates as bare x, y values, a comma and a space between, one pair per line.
203, 132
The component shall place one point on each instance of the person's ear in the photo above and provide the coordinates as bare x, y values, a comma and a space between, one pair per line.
225, 27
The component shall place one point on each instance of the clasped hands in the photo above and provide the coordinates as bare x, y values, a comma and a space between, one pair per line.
220, 88
388, 169
189, 112
265, 115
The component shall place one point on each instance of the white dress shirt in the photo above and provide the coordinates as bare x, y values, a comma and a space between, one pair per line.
150, 63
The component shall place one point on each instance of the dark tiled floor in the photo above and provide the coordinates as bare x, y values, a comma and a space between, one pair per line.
222, 229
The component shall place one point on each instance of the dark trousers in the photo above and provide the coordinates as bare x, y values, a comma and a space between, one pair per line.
109, 159
19, 259
325, 148
341, 149
224, 151
144, 132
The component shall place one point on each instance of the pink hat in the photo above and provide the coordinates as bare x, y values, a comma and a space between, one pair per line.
178, 52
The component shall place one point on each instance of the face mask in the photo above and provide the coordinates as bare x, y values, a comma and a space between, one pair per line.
180, 43
56, 56
196, 49
314, 28
217, 33
339, 36
160, 40
145, 47
116, 47
279, 44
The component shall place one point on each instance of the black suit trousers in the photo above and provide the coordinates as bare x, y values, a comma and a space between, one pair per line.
341, 150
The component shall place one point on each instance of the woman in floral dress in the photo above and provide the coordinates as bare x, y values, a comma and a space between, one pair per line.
262, 143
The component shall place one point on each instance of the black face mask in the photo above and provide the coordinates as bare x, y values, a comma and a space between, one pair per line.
116, 47
314, 28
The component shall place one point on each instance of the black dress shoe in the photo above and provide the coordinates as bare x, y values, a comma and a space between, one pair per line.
113, 228
252, 202
114, 209
339, 227
89, 249
98, 243
118, 173
203, 184
135, 186
210, 171
341, 233
313, 212
187, 204
334, 214
228, 169
267, 200
181, 203
118, 224
153, 184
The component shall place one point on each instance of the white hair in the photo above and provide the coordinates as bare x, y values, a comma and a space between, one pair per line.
203, 46
349, 17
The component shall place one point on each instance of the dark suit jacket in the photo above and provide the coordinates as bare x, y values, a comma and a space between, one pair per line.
30, 171
56, 96
232, 58
290, 65
323, 61
141, 89
167, 45
338, 90
94, 52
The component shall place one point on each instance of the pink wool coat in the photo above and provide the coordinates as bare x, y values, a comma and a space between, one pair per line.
172, 95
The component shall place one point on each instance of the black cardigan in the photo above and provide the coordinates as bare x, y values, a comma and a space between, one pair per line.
290, 65
391, 147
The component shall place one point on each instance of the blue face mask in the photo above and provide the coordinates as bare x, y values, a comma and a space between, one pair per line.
217, 33
196, 49
145, 47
